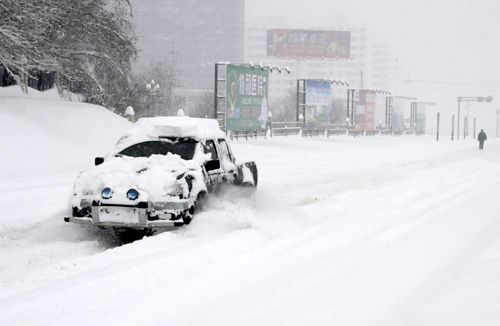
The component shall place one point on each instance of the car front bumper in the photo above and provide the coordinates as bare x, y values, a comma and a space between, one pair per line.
123, 217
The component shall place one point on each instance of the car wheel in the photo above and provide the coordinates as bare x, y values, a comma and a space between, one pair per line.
201, 201
187, 219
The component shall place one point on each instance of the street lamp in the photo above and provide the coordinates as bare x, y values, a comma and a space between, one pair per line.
153, 89
469, 99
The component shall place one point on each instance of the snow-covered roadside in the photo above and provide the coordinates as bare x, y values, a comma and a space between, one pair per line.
45, 143
42, 134
342, 231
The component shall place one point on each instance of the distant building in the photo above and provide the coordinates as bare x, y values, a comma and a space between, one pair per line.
369, 65
201, 32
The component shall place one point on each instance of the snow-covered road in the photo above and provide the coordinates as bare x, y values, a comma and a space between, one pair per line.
342, 231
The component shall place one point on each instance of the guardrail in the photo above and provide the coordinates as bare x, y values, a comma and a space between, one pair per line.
312, 132
356, 133
335, 132
252, 133
386, 132
285, 128
372, 132
292, 128
409, 132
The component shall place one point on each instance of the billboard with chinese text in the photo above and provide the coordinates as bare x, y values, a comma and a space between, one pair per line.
309, 43
365, 110
246, 97
318, 103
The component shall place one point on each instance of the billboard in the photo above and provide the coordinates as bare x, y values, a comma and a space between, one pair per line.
308, 43
365, 110
318, 103
246, 97
398, 114
421, 108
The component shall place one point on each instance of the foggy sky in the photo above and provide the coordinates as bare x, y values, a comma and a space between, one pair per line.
446, 48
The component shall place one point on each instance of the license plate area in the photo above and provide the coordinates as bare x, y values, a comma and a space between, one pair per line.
126, 215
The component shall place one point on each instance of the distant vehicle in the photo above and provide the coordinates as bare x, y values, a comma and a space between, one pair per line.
158, 175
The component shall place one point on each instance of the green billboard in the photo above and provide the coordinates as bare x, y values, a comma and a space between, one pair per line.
246, 97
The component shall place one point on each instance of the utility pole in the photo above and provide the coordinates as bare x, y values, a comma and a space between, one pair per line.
361, 79
474, 128
437, 136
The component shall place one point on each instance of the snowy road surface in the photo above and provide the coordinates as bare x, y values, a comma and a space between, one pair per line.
384, 231
342, 231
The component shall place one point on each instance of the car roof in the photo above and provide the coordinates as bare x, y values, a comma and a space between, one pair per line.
177, 126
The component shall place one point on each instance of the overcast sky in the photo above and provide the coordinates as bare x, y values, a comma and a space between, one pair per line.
449, 44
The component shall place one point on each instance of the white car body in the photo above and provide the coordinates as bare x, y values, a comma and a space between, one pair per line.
157, 174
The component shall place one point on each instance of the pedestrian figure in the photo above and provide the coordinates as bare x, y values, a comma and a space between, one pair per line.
481, 137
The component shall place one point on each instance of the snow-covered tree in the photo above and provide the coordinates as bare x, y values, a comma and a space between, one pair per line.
164, 102
89, 43
202, 105
338, 110
285, 107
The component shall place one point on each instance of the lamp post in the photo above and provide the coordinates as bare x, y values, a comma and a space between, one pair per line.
153, 89
469, 99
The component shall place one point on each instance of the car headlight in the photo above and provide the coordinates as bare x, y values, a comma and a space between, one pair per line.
106, 193
177, 190
132, 194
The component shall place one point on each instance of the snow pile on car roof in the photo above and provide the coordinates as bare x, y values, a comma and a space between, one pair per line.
178, 126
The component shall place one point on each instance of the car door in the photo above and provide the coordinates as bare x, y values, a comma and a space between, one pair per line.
213, 167
227, 161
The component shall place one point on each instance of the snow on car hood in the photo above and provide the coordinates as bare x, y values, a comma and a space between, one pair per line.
154, 176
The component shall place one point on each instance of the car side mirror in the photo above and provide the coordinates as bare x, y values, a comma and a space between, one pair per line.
212, 165
99, 160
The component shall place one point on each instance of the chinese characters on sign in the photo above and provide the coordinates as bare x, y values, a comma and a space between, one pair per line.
246, 97
365, 110
318, 103
309, 43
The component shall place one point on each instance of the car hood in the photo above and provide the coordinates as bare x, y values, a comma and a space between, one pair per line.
154, 176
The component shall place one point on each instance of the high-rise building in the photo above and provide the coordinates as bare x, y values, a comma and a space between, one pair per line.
199, 32
367, 67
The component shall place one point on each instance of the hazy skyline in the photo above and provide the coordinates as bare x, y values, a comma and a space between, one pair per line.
451, 45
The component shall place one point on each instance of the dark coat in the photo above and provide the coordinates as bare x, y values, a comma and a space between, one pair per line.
481, 136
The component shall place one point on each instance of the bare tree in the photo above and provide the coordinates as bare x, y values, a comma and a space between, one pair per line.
90, 44
202, 105
338, 111
285, 108
163, 103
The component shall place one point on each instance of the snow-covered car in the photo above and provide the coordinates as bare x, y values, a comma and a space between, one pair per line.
157, 175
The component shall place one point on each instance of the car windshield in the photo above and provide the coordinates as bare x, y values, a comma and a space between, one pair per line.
184, 147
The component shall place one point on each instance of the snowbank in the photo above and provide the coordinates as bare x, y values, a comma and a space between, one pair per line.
42, 133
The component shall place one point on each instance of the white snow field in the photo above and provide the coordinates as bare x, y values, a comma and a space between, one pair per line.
341, 231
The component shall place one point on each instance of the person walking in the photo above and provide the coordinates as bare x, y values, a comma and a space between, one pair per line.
481, 137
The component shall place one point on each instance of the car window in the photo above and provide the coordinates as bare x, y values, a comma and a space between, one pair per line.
209, 148
184, 147
225, 152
